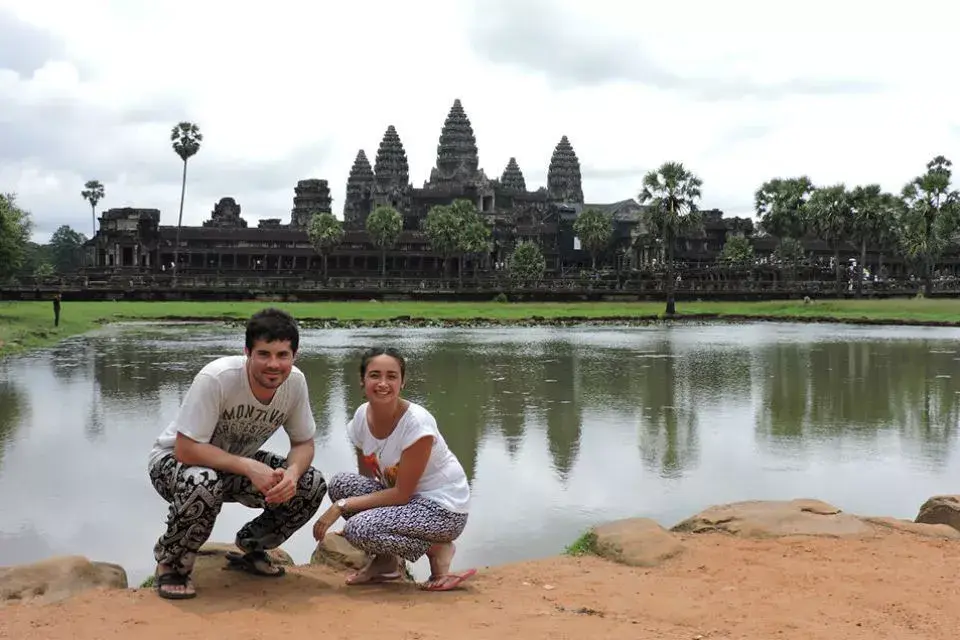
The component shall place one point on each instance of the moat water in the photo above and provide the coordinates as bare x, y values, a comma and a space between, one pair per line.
558, 429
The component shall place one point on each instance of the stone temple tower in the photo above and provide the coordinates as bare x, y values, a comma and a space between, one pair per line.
391, 168
359, 195
512, 177
392, 173
457, 155
564, 183
310, 196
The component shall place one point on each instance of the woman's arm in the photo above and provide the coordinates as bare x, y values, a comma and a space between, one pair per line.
413, 461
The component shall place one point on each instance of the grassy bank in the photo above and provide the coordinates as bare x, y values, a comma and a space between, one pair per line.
26, 325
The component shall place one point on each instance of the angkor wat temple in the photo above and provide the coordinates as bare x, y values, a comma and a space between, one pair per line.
134, 239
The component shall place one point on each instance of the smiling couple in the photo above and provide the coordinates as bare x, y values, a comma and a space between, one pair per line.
409, 499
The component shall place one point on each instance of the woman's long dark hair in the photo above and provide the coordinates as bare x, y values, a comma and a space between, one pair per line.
372, 353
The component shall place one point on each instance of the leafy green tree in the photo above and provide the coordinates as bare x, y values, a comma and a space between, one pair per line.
325, 233
475, 241
873, 220
384, 225
595, 229
737, 249
781, 206
34, 255
15, 228
527, 264
66, 248
44, 270
672, 193
186, 139
93, 192
443, 227
929, 216
830, 214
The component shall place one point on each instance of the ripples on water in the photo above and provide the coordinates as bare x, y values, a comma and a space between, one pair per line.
558, 428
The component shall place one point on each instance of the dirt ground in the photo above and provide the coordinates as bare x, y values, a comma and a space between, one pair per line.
897, 585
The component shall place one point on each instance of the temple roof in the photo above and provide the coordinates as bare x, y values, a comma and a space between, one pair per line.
563, 177
512, 177
361, 171
391, 167
457, 153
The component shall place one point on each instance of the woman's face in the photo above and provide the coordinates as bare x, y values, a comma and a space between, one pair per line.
382, 381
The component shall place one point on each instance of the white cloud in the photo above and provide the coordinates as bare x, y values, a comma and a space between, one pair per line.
738, 91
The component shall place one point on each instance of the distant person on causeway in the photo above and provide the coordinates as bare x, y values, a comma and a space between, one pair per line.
411, 496
210, 454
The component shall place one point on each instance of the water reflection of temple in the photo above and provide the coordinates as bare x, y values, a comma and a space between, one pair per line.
133, 239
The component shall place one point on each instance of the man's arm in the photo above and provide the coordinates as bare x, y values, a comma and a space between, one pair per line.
300, 457
190, 452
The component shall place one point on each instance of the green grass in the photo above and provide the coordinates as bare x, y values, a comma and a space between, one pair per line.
27, 325
584, 545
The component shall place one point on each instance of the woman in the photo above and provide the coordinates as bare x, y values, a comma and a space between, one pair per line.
410, 498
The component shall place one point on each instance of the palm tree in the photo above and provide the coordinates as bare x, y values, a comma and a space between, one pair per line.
93, 193
186, 139
672, 193
831, 215
325, 233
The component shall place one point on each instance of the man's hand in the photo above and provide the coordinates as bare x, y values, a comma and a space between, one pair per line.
263, 477
285, 489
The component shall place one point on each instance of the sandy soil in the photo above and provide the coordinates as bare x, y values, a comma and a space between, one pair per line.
896, 586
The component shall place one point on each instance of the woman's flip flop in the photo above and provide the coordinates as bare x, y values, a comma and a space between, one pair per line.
447, 582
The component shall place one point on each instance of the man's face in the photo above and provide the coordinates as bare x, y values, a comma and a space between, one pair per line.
270, 362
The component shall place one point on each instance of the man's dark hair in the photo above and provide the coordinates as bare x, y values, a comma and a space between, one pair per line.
272, 325
370, 354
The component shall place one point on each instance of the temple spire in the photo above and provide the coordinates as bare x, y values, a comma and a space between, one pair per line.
391, 168
564, 182
356, 205
512, 177
457, 155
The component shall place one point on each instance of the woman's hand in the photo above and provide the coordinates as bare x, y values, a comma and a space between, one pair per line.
327, 520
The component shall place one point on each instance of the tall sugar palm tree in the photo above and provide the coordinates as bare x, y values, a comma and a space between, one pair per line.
93, 193
672, 193
186, 139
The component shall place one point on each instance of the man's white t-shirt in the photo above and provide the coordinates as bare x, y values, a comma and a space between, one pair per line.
443, 481
220, 409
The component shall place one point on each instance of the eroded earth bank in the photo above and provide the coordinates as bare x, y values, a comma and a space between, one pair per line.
797, 569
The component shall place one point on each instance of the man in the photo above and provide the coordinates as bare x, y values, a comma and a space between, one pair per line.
56, 310
210, 454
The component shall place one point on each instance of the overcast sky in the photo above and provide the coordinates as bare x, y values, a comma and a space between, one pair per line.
740, 91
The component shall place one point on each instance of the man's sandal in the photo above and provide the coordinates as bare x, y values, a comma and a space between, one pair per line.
257, 563
173, 579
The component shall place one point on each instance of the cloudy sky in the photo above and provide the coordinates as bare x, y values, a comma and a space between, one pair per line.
740, 91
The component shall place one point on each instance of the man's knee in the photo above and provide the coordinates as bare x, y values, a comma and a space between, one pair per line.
312, 486
204, 480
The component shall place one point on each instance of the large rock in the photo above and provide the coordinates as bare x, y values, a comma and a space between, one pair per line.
920, 529
58, 578
336, 552
770, 519
638, 542
940, 510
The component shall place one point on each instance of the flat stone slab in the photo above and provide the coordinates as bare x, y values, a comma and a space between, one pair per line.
637, 542
774, 518
58, 578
